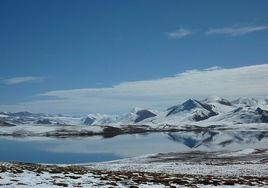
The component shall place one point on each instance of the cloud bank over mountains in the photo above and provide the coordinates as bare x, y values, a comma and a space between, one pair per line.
158, 93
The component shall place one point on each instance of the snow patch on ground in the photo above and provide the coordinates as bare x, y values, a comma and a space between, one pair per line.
240, 153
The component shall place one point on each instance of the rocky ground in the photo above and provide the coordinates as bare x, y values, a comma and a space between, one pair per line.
193, 169
25, 175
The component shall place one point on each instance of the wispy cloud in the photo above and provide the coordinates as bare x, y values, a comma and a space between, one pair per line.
20, 80
179, 33
236, 30
160, 93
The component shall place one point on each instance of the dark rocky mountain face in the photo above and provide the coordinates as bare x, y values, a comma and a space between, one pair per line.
89, 120
144, 114
263, 114
200, 117
44, 121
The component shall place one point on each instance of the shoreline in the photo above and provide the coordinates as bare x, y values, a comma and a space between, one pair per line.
63, 131
243, 168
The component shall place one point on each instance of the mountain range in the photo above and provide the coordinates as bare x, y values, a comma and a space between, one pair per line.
213, 110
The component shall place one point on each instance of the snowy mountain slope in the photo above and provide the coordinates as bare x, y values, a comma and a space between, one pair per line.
242, 110
210, 111
27, 118
213, 110
239, 116
136, 115
192, 110
249, 102
219, 105
98, 119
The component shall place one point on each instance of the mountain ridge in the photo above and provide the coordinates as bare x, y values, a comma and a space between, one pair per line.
213, 110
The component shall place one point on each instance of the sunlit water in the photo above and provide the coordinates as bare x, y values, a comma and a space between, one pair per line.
97, 149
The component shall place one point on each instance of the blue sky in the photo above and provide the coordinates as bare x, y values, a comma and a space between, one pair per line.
48, 45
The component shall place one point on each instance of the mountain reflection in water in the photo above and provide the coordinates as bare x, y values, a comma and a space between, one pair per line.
97, 149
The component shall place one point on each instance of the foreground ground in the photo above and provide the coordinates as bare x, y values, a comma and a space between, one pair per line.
193, 169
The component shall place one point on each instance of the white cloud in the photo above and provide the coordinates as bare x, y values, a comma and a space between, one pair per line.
179, 33
237, 30
160, 93
20, 80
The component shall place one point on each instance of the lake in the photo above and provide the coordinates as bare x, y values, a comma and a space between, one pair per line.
97, 149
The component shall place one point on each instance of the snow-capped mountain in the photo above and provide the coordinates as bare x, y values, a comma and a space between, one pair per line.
192, 110
239, 111
213, 110
242, 115
136, 115
98, 119
27, 118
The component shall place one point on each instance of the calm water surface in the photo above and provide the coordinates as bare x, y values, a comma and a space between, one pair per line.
97, 149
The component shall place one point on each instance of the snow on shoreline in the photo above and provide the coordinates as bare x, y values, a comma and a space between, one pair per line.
220, 163
81, 130
159, 170
47, 130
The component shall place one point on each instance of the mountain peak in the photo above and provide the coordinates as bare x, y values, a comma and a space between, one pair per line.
198, 110
141, 114
144, 114
186, 106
